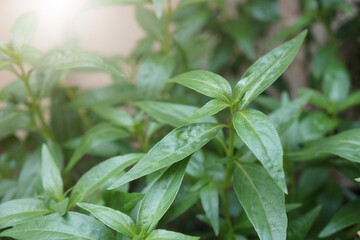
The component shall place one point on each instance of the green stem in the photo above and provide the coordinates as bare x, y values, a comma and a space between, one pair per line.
166, 42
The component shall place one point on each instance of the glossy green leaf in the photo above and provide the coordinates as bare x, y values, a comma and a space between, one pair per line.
24, 30
115, 116
266, 70
158, 5
207, 83
345, 144
99, 174
209, 196
159, 198
96, 135
352, 100
116, 220
71, 226
150, 23
259, 134
262, 201
17, 211
210, 108
299, 227
76, 59
347, 215
50, 175
178, 144
171, 113
160, 234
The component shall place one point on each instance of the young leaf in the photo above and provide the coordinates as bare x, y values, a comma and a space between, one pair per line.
159, 198
60, 207
116, 220
17, 211
99, 174
50, 175
114, 116
352, 100
207, 83
299, 228
262, 201
96, 135
71, 226
209, 197
24, 30
348, 215
210, 108
260, 136
178, 144
266, 70
160, 234
158, 4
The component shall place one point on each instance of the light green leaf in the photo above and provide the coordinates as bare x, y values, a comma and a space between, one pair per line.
71, 226
209, 196
116, 220
76, 59
99, 174
299, 228
357, 179
99, 3
171, 113
60, 207
159, 198
50, 175
259, 134
150, 23
17, 211
5, 63
262, 201
210, 108
158, 4
96, 135
160, 234
115, 116
346, 216
207, 83
316, 98
316, 125
345, 144
266, 70
24, 30
11, 120
178, 144
352, 100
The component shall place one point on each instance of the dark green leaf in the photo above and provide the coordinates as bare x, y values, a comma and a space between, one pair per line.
17, 211
209, 196
299, 228
99, 174
260, 136
24, 30
116, 220
322, 59
266, 70
159, 198
178, 144
160, 234
262, 201
207, 83
210, 108
122, 201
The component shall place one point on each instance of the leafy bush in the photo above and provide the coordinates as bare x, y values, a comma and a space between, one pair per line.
129, 160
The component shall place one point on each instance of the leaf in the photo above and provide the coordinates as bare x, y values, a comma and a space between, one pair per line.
158, 4
159, 198
357, 179
299, 228
322, 59
259, 134
352, 100
12, 120
160, 234
122, 201
262, 201
154, 69
316, 125
150, 23
316, 98
170, 113
115, 116
177, 145
76, 59
99, 174
99, 3
71, 226
345, 144
266, 70
346, 216
5, 63
207, 83
96, 135
24, 30
210, 108
60, 207
209, 197
116, 220
17, 211
50, 175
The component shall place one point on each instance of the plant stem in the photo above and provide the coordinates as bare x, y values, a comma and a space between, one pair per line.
166, 42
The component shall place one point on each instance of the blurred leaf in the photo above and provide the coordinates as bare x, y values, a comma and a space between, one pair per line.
150, 23
259, 134
299, 228
24, 30
254, 187
115, 116
160, 234
122, 201
350, 101
209, 196
210, 108
158, 5
60, 207
100, 3
12, 120
178, 144
316, 125
264, 11
322, 59
316, 98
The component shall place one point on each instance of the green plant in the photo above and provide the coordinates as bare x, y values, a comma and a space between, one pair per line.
231, 165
